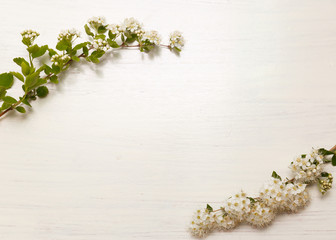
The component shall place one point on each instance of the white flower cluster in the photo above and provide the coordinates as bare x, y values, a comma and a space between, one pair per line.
238, 206
260, 215
276, 196
114, 28
307, 167
96, 22
205, 221
60, 59
30, 34
68, 35
176, 40
100, 44
283, 195
132, 26
152, 36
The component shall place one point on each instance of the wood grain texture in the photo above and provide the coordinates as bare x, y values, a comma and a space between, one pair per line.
128, 149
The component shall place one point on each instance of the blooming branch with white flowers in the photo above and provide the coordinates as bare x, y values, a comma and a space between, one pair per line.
276, 196
101, 38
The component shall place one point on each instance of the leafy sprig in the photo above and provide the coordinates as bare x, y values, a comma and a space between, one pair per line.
101, 38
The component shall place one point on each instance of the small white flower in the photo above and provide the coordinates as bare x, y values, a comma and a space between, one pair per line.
113, 28
153, 37
68, 35
176, 40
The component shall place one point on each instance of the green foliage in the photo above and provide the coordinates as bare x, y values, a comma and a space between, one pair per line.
63, 45
42, 91
18, 76
275, 175
209, 208
88, 31
6, 80
9, 100
112, 43
30, 76
20, 109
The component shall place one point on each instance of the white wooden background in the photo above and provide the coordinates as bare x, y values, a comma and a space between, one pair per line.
128, 149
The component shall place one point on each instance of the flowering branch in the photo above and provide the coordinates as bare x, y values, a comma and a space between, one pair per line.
276, 196
102, 37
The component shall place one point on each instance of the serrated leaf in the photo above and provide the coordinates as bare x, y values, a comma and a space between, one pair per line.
9, 99
63, 45
275, 175
31, 80
42, 91
33, 49
18, 76
52, 52
20, 109
209, 208
88, 31
6, 80
19, 61
26, 41
41, 51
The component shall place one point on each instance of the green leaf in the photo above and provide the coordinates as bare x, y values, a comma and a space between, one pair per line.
19, 61
177, 49
324, 174
26, 41
25, 101
94, 59
85, 51
56, 69
41, 51
2, 92
88, 31
5, 105
111, 35
6, 80
52, 52
47, 69
20, 109
25, 68
251, 199
75, 58
33, 49
113, 44
18, 76
63, 45
54, 79
31, 80
9, 100
275, 175
324, 152
97, 53
80, 45
102, 29
333, 160
42, 91
101, 36
209, 208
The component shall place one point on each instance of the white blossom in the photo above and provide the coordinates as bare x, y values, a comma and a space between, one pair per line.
59, 59
307, 167
29, 35
176, 40
132, 26
68, 35
152, 36
96, 22
101, 44
237, 206
113, 28
260, 215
